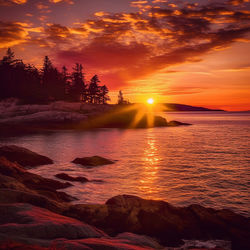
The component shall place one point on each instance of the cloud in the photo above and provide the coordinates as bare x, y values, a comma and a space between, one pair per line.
114, 61
57, 33
129, 46
12, 33
11, 2
238, 2
123, 47
19, 1
42, 6
183, 90
64, 1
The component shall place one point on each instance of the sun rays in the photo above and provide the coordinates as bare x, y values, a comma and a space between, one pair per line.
127, 116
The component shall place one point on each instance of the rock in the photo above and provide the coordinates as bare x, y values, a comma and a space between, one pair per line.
24, 156
25, 220
134, 117
67, 177
28, 227
7, 182
13, 176
169, 224
29, 179
176, 123
139, 240
92, 161
8, 196
100, 243
106, 243
8, 244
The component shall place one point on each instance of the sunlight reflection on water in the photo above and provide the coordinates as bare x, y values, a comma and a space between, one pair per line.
150, 166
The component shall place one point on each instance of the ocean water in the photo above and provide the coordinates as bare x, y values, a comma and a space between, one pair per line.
207, 163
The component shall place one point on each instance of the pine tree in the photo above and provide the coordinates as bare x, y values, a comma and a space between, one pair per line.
120, 98
78, 86
94, 90
66, 81
52, 81
9, 57
104, 98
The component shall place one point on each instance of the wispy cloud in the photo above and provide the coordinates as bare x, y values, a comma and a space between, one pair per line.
11, 2
129, 46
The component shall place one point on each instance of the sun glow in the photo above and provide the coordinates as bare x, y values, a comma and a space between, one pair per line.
150, 101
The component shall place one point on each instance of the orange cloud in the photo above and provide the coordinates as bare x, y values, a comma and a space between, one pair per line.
59, 1
11, 2
19, 1
238, 2
124, 48
12, 34
42, 6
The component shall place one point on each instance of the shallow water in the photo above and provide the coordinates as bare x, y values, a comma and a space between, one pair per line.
207, 163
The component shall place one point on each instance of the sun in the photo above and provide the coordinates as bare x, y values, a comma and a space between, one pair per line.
150, 101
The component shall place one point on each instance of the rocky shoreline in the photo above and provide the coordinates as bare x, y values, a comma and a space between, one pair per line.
36, 214
18, 119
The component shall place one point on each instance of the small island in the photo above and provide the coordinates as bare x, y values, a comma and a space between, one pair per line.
49, 99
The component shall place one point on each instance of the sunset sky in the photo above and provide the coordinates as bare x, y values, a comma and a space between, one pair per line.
190, 52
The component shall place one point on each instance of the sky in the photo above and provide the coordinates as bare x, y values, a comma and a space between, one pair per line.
190, 52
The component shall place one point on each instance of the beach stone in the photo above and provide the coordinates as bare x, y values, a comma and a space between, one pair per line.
139, 240
92, 161
8, 196
24, 156
167, 223
103, 243
28, 221
67, 177
30, 180
14, 177
24, 226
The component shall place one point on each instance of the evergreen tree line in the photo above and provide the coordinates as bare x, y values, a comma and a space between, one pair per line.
27, 83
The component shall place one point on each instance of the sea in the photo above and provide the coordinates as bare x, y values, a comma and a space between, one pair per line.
207, 163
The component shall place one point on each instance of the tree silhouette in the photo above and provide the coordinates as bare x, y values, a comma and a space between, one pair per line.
52, 81
121, 99
94, 90
66, 81
9, 57
30, 85
104, 98
78, 89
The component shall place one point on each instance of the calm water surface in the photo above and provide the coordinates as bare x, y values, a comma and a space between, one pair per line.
207, 163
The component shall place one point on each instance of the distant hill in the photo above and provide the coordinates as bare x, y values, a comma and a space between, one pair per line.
182, 107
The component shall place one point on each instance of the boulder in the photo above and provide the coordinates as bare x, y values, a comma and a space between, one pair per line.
24, 226
31, 180
8, 196
14, 177
176, 123
92, 161
139, 240
100, 243
10, 244
23, 156
67, 177
169, 224
27, 221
